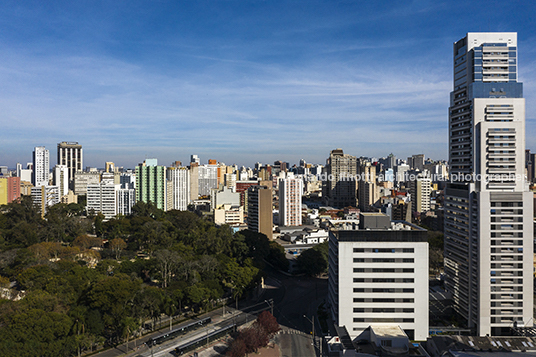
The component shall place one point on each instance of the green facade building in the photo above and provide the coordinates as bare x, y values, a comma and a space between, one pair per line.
151, 183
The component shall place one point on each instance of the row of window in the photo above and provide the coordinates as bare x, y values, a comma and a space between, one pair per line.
384, 300
384, 280
384, 260
384, 270
384, 319
384, 290
384, 250
383, 310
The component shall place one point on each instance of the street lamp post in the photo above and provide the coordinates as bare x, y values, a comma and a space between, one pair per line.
313, 323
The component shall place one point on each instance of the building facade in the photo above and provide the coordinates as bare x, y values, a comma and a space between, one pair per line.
102, 198
9, 189
151, 183
44, 197
290, 201
488, 208
260, 215
125, 199
420, 188
180, 187
82, 179
339, 186
367, 187
70, 155
41, 166
379, 274
61, 179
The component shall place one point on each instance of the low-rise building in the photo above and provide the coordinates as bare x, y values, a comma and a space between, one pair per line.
378, 273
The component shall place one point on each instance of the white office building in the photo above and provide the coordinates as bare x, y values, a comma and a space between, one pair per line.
488, 208
378, 274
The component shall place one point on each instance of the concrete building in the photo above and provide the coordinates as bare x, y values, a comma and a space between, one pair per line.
82, 179
224, 196
367, 189
9, 189
208, 178
151, 183
24, 174
194, 181
125, 198
127, 180
488, 208
260, 214
229, 214
416, 162
61, 179
41, 166
378, 273
401, 173
339, 186
420, 188
242, 189
180, 187
70, 155
290, 201
45, 196
102, 198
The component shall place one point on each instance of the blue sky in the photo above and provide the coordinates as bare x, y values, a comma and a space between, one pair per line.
240, 81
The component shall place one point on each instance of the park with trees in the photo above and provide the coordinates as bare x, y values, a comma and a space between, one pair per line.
79, 282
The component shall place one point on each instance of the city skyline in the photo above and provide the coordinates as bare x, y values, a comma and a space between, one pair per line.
239, 82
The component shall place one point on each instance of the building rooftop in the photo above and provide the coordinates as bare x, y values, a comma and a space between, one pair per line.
388, 331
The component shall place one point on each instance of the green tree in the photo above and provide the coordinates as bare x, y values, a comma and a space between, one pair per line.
313, 261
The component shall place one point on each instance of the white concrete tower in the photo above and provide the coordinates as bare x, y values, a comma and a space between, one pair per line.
488, 208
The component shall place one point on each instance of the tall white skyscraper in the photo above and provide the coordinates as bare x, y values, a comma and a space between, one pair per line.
488, 208
41, 166
180, 187
290, 201
61, 179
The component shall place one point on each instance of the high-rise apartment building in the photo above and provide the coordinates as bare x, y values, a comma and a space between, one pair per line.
420, 187
125, 199
367, 187
151, 183
208, 177
41, 166
180, 187
488, 209
70, 155
339, 185
9, 189
290, 201
61, 179
260, 215
102, 198
45, 196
